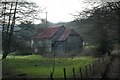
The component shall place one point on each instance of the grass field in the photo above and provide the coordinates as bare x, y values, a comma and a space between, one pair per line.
35, 66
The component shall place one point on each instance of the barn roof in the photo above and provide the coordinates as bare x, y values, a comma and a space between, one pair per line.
64, 35
47, 33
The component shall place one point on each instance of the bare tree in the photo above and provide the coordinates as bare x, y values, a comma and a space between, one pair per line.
89, 7
12, 12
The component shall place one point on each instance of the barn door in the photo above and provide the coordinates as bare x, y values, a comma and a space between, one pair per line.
59, 48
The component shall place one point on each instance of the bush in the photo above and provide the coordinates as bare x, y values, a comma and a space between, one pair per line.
24, 51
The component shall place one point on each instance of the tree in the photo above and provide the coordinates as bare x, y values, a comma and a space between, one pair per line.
9, 30
105, 29
22, 38
11, 13
27, 30
115, 6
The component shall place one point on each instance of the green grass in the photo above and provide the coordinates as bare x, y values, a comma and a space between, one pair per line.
38, 66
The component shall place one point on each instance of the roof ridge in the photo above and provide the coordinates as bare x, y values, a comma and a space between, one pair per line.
65, 34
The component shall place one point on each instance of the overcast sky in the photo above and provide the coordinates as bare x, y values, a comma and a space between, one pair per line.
60, 10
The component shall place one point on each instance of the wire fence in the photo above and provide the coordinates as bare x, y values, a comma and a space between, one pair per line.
93, 70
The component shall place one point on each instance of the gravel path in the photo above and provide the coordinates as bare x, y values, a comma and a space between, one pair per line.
113, 70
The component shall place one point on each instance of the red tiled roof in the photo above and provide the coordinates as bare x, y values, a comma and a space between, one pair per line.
49, 32
65, 35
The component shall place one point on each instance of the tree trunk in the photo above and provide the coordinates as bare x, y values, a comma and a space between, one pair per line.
10, 34
7, 46
5, 55
108, 53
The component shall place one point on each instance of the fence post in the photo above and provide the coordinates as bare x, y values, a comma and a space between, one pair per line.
103, 60
64, 73
80, 72
96, 65
93, 68
73, 73
51, 76
99, 62
90, 69
86, 71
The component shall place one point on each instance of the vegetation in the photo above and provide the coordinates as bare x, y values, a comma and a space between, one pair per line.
38, 66
98, 27
17, 12
103, 31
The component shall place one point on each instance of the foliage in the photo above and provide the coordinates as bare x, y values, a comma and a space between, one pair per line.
23, 34
105, 20
20, 46
39, 67
12, 12
27, 30
105, 29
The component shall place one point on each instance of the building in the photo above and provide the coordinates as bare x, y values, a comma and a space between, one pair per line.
58, 39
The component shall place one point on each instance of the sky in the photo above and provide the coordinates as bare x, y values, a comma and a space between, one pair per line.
60, 10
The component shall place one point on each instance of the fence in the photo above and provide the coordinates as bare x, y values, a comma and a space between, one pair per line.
88, 71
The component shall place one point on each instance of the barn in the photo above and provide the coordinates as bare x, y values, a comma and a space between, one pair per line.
58, 39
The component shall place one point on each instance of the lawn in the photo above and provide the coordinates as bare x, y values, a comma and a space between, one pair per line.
35, 66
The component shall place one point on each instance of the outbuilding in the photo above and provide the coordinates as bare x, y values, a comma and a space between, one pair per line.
58, 39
